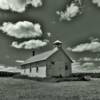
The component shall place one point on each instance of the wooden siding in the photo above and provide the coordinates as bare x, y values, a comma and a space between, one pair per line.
31, 69
53, 66
58, 69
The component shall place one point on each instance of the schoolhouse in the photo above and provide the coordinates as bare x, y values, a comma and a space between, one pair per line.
53, 63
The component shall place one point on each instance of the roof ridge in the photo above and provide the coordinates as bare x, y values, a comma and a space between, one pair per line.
47, 51
65, 52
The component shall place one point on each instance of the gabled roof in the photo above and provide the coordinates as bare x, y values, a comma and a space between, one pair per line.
43, 56
40, 57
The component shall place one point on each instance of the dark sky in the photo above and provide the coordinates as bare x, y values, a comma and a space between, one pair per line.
71, 33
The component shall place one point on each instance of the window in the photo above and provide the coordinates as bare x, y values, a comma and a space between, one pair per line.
24, 69
30, 69
52, 62
37, 69
66, 67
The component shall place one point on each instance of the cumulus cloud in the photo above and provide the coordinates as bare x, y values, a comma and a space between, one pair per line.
88, 65
96, 2
31, 44
76, 66
89, 59
71, 11
19, 61
85, 67
22, 29
27, 30
18, 5
93, 46
9, 69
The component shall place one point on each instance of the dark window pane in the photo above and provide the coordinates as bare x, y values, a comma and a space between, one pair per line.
52, 62
66, 67
37, 69
30, 69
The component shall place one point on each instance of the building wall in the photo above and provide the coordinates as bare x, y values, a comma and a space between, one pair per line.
58, 69
32, 71
48, 69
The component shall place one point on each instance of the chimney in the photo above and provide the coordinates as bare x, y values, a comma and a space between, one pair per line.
33, 53
58, 43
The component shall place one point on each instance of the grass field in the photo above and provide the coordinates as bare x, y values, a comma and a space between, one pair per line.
17, 89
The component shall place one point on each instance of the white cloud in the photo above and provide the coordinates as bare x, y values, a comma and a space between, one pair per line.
22, 29
25, 29
89, 59
88, 66
93, 46
19, 61
35, 3
96, 2
5, 68
10, 69
85, 67
18, 5
76, 66
31, 44
70, 12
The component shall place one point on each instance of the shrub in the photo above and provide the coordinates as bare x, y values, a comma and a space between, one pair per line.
85, 78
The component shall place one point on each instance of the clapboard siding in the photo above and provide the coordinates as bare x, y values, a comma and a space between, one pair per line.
58, 69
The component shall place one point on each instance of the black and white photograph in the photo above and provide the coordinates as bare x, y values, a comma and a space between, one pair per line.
49, 49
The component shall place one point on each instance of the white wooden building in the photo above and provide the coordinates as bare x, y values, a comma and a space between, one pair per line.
48, 64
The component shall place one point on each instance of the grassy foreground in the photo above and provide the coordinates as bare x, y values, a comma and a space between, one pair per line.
17, 89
